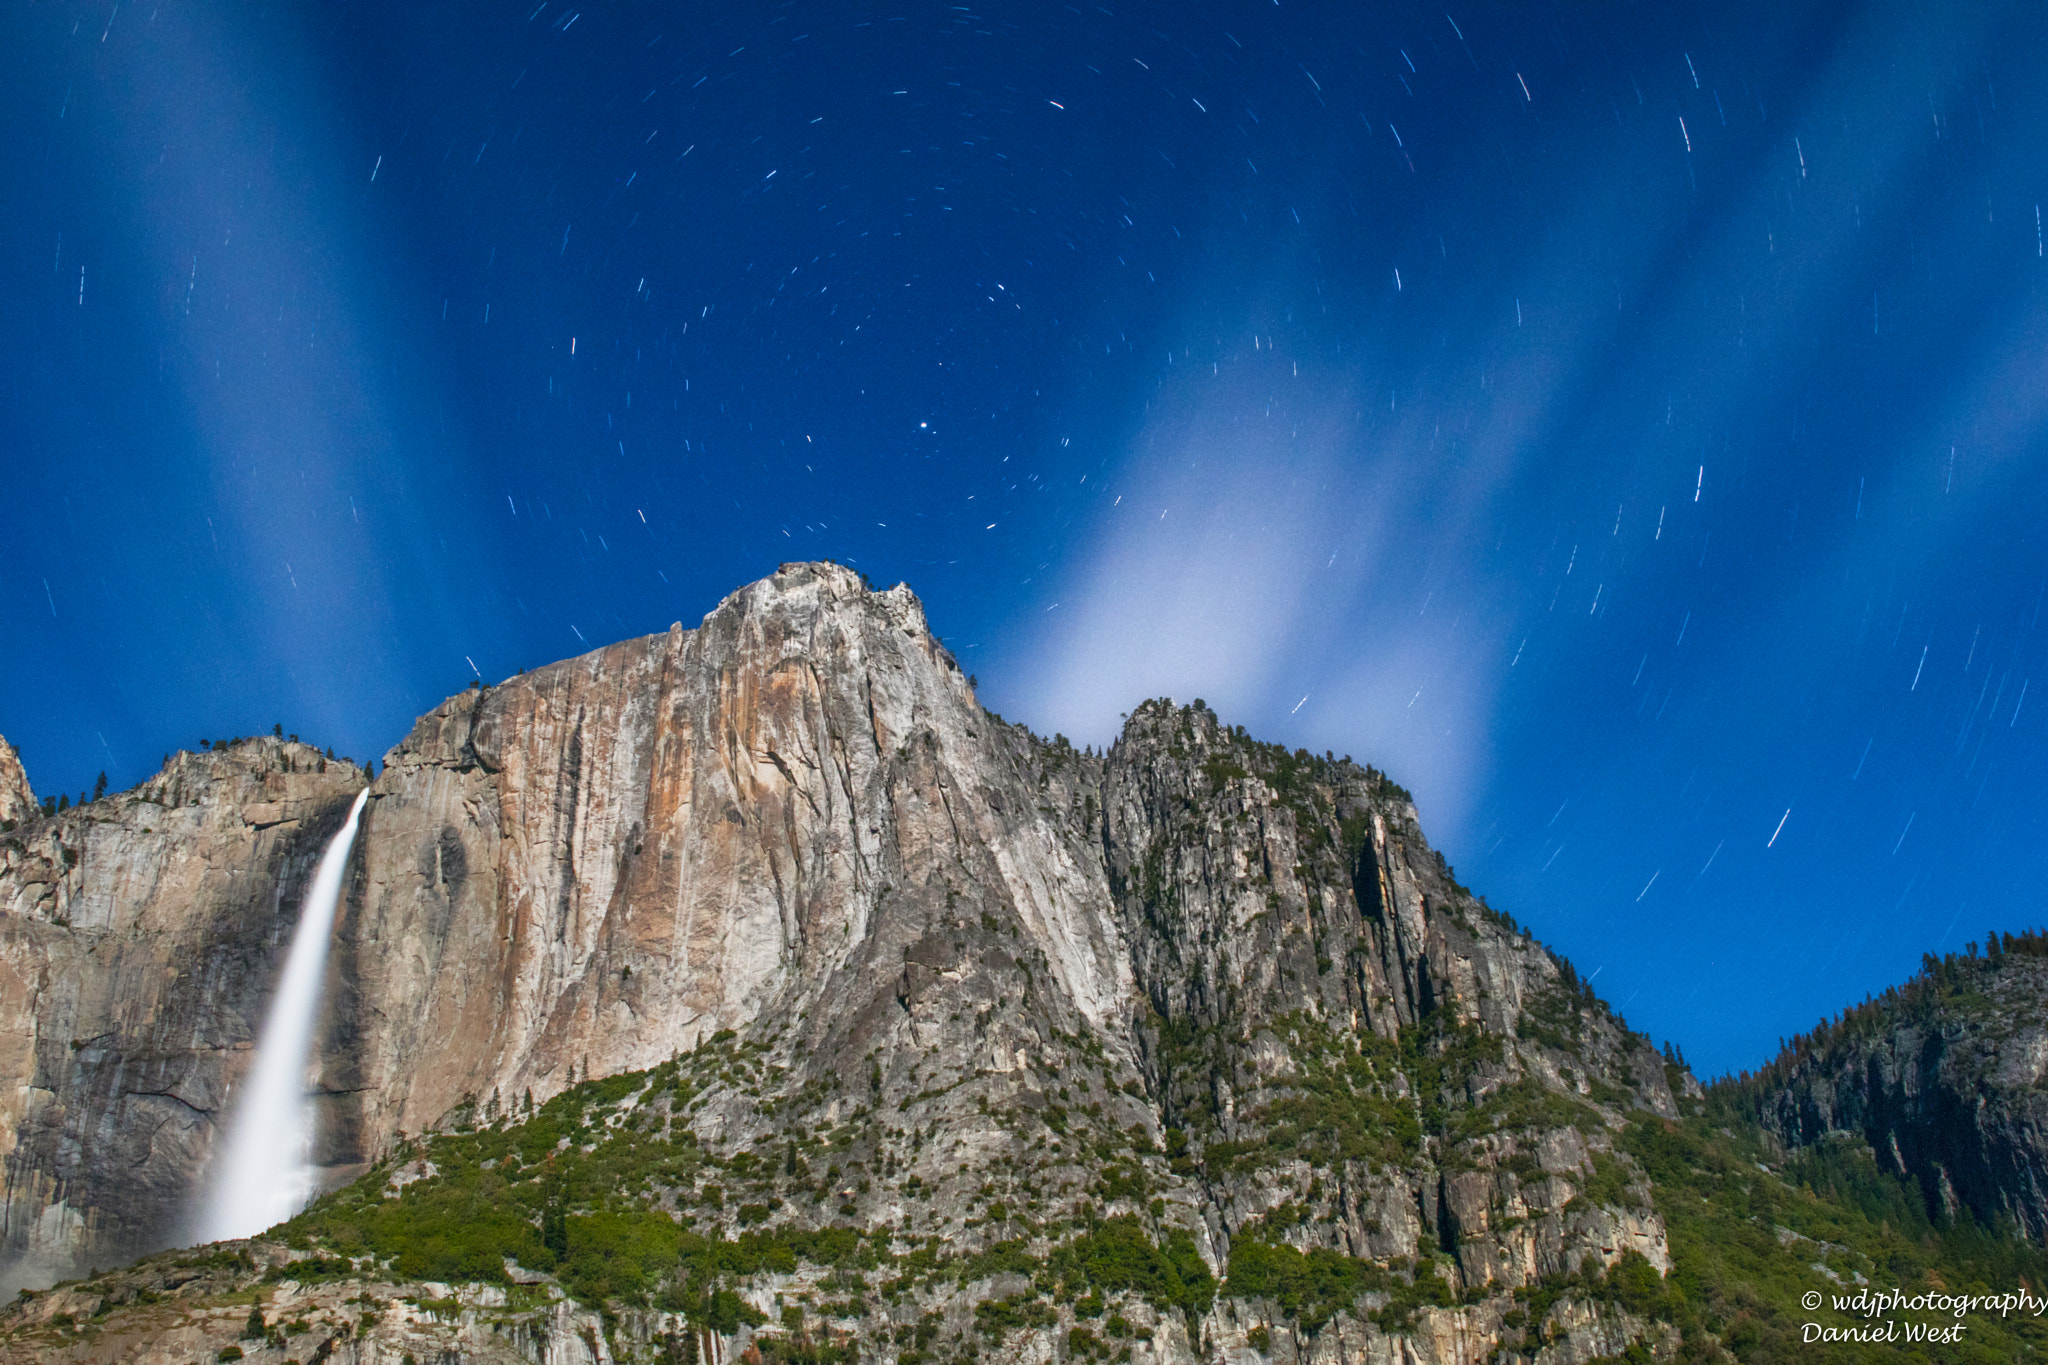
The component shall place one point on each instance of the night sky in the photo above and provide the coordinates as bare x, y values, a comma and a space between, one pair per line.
1623, 424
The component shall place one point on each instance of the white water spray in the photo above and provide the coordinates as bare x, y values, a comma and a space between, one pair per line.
264, 1174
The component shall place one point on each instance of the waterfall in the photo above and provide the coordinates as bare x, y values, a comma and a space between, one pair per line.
264, 1173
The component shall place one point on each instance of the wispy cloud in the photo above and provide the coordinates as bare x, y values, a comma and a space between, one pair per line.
1294, 564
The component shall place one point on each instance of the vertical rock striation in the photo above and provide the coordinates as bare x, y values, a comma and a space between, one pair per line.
596, 865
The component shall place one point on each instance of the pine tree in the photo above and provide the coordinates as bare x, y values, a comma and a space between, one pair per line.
554, 1225
99, 786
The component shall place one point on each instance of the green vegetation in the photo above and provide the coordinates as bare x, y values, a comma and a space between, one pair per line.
1747, 1242
582, 1189
1311, 1287
1525, 1104
1340, 1106
606, 1188
1554, 1018
1118, 1255
540, 1193
1442, 1058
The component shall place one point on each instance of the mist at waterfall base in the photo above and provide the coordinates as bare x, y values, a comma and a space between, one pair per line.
264, 1172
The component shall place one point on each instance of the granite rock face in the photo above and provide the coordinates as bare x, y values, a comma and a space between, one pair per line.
17, 798
138, 934
1943, 1080
596, 865
1293, 933
1195, 981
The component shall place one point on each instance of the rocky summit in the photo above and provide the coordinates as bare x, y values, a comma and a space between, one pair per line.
750, 993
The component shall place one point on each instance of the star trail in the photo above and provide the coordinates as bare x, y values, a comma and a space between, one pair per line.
1623, 427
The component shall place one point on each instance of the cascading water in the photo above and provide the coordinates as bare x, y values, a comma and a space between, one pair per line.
264, 1174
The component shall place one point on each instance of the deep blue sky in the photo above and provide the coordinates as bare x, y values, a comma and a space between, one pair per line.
1622, 423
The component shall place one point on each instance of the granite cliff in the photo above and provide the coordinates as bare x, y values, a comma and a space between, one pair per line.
751, 989
17, 798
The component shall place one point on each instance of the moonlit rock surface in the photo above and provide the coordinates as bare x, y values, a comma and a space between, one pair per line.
17, 799
139, 945
796, 822
265, 1174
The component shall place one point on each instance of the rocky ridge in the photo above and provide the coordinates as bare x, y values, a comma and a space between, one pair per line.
866, 957
1941, 1078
